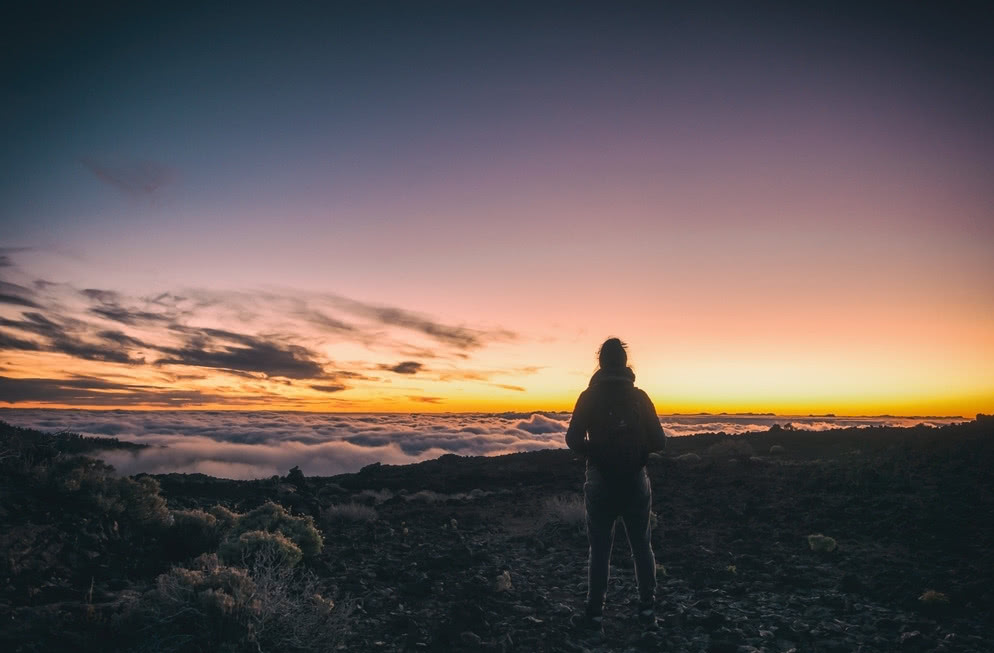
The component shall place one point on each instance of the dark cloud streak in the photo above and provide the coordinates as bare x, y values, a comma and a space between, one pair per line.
11, 293
97, 392
424, 399
136, 179
328, 387
9, 342
62, 340
454, 336
405, 367
17, 301
204, 348
110, 308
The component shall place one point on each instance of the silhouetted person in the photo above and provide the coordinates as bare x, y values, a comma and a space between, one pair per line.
615, 427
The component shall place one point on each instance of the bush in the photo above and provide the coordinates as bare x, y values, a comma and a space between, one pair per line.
430, 496
568, 510
192, 532
267, 607
247, 547
932, 598
374, 497
353, 512
427, 496
225, 518
205, 607
293, 613
731, 448
269, 518
140, 502
821, 543
85, 485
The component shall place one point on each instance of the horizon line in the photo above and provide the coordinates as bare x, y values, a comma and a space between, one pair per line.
481, 412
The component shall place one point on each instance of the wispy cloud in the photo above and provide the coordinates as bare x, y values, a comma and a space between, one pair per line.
327, 387
238, 352
426, 399
456, 336
97, 392
135, 178
282, 338
508, 386
405, 367
64, 338
12, 293
6, 260
9, 342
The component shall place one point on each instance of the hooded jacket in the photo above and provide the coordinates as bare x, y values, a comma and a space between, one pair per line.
586, 423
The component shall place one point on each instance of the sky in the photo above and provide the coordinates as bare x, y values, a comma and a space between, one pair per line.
448, 206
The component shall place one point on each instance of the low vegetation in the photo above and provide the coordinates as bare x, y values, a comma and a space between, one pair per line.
731, 447
348, 512
70, 519
822, 543
565, 509
211, 606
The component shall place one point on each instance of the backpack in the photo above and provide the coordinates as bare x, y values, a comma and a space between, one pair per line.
619, 445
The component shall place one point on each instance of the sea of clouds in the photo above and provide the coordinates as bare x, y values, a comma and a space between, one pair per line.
245, 445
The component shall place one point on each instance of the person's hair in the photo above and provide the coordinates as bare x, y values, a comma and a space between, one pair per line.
613, 354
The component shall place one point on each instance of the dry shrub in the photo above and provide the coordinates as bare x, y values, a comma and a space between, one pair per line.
352, 512
731, 448
249, 545
430, 496
273, 518
427, 496
86, 485
220, 529
293, 613
225, 518
373, 497
822, 543
564, 510
932, 597
192, 532
213, 607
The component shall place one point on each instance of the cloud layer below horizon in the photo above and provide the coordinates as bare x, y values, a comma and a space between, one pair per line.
246, 445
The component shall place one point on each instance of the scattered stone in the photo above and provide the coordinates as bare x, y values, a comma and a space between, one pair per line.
821, 543
910, 638
433, 574
469, 638
503, 582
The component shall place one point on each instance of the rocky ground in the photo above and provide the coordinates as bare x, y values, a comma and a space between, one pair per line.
490, 554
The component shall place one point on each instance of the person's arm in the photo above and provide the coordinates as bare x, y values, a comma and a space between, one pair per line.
655, 432
576, 434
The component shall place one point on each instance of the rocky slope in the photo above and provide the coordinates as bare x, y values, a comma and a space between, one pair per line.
490, 554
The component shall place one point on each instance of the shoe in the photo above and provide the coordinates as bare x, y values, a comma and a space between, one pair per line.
587, 623
647, 615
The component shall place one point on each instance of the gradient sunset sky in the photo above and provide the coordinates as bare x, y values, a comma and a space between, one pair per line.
448, 206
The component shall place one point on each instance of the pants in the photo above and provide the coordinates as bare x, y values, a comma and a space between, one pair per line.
605, 502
